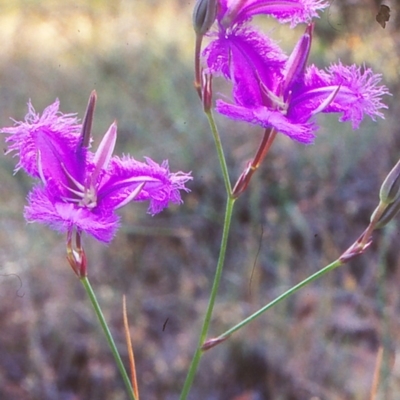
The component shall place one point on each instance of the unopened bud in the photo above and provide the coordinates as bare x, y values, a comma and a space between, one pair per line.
204, 15
390, 189
390, 212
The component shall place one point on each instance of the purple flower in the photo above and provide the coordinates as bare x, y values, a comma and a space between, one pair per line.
80, 189
233, 12
288, 98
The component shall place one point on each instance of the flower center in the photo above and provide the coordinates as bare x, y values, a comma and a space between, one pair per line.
89, 198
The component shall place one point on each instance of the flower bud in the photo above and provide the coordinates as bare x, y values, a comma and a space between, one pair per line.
204, 15
390, 212
390, 189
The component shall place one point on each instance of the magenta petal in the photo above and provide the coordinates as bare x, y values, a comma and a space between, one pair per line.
62, 216
359, 92
160, 185
302, 132
48, 133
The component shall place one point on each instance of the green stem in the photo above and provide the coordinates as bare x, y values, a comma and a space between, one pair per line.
283, 296
221, 259
220, 152
86, 284
207, 319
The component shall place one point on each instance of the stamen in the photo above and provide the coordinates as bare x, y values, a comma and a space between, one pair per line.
327, 101
87, 196
267, 94
131, 196
73, 180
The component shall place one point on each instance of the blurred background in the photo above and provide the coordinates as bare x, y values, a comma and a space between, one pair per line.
304, 207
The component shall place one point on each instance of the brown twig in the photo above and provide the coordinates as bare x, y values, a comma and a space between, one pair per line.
375, 379
130, 350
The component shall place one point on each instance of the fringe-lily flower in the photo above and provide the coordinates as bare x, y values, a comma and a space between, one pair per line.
79, 189
287, 100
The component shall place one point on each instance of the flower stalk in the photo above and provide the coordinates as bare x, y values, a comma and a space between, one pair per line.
356, 249
100, 316
221, 258
211, 302
219, 339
